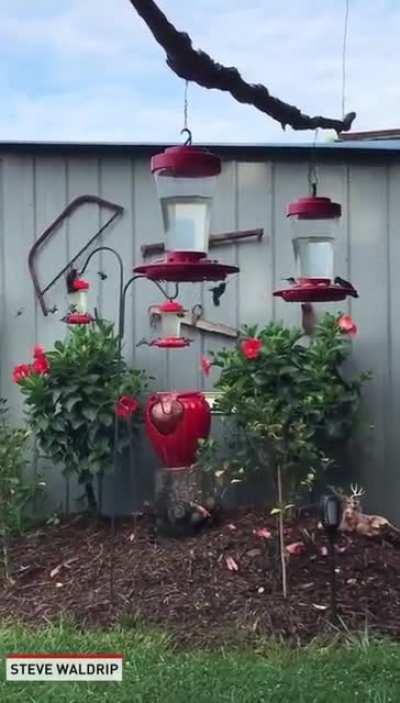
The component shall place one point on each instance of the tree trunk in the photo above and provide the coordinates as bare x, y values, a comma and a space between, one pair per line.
178, 502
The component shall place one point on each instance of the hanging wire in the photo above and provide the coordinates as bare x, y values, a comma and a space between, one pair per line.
185, 106
344, 56
185, 115
312, 166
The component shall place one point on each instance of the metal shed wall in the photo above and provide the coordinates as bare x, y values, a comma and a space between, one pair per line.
253, 191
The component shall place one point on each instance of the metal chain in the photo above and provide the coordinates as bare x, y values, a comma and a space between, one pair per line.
312, 167
344, 56
186, 106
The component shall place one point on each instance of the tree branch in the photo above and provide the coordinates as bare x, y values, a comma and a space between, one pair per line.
197, 66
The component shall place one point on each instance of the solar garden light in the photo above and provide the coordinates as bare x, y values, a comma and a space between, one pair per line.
331, 515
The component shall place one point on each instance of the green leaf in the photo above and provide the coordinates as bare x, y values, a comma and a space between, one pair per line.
72, 401
89, 413
107, 420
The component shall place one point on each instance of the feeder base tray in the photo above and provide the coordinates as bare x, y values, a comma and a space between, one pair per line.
185, 267
171, 343
314, 290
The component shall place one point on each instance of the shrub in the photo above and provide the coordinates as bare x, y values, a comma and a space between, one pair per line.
74, 395
16, 491
288, 402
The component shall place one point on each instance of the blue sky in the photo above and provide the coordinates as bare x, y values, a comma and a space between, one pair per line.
89, 70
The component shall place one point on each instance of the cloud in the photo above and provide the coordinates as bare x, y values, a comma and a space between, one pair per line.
92, 71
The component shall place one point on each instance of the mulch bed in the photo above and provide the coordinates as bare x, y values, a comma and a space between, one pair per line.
185, 586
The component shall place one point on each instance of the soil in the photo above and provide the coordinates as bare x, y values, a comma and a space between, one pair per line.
222, 584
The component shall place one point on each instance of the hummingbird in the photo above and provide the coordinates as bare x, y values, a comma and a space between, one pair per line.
346, 284
102, 275
217, 293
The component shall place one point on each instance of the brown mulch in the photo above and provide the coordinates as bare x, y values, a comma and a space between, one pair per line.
185, 586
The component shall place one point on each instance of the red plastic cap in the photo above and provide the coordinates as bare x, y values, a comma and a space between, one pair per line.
314, 208
186, 162
80, 284
171, 306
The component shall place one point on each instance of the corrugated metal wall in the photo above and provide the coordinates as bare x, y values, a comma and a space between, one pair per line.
36, 187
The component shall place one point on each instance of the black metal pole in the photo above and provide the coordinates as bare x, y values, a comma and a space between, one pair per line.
333, 585
123, 289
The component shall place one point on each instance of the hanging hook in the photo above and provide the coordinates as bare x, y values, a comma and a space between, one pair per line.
187, 131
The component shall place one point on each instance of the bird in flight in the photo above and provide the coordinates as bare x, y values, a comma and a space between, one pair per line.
217, 293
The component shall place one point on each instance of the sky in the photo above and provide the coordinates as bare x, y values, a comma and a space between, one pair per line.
89, 70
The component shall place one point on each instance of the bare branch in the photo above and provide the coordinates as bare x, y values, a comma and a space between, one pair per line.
197, 66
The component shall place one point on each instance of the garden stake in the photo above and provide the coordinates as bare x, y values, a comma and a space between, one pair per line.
281, 534
331, 516
333, 587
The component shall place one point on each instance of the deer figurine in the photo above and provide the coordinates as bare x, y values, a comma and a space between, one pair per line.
354, 520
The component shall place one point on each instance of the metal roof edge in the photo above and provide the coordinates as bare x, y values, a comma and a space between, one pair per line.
332, 150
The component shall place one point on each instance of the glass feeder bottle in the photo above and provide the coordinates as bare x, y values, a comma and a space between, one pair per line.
186, 180
314, 223
78, 297
171, 318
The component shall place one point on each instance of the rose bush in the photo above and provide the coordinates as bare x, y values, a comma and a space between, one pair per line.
74, 394
288, 402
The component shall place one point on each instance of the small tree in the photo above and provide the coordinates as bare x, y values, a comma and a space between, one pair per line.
288, 403
73, 394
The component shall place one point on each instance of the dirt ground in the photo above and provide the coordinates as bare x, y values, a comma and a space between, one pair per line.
222, 583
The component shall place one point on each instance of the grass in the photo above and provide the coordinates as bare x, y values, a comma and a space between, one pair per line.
154, 672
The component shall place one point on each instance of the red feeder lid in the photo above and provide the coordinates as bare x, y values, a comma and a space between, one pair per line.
186, 162
79, 284
170, 342
314, 208
171, 306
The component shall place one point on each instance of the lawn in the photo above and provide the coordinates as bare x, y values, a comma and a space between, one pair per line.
156, 671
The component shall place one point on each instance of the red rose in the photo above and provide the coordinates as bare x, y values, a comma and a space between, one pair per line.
347, 325
38, 351
80, 284
21, 371
126, 406
251, 348
205, 365
41, 365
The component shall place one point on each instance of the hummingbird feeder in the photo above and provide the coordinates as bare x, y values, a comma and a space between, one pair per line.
171, 317
186, 177
314, 221
77, 294
77, 289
